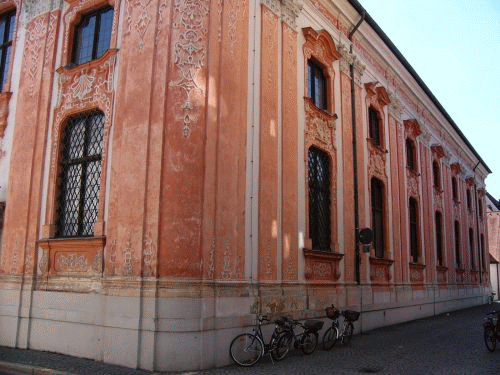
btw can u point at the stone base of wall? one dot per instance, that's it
(178, 331)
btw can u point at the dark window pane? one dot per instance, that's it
(457, 244)
(316, 85)
(377, 196)
(410, 154)
(105, 26)
(374, 126)
(413, 230)
(319, 199)
(471, 248)
(12, 24)
(436, 175)
(80, 175)
(439, 237)
(92, 35)
(7, 23)
(3, 26)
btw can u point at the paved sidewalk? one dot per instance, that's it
(35, 362)
(444, 344)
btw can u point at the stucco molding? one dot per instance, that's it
(32, 9)
(287, 10)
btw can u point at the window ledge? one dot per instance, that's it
(89, 64)
(322, 265)
(70, 256)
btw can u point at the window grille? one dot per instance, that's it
(377, 195)
(374, 126)
(80, 175)
(413, 230)
(92, 36)
(319, 199)
(7, 24)
(316, 85)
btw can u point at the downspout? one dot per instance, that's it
(355, 157)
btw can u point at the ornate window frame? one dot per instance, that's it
(81, 88)
(320, 133)
(73, 16)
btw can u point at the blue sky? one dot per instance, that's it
(454, 46)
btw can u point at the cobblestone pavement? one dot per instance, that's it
(446, 344)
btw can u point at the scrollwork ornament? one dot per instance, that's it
(190, 54)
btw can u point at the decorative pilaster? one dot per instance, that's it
(287, 10)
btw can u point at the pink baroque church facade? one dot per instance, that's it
(168, 169)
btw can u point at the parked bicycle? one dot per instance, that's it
(306, 338)
(247, 349)
(340, 329)
(491, 326)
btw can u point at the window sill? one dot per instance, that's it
(322, 265)
(72, 256)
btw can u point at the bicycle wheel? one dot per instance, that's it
(246, 349)
(348, 330)
(490, 338)
(309, 342)
(283, 346)
(330, 338)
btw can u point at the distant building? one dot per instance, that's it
(493, 214)
(170, 168)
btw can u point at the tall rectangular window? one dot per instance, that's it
(7, 24)
(92, 35)
(458, 257)
(436, 175)
(378, 223)
(471, 249)
(2, 212)
(319, 199)
(80, 175)
(316, 85)
(374, 126)
(413, 230)
(439, 237)
(454, 188)
(411, 155)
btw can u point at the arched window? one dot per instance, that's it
(414, 243)
(378, 222)
(92, 35)
(374, 126)
(316, 85)
(411, 159)
(319, 199)
(79, 176)
(439, 237)
(436, 174)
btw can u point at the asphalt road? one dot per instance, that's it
(447, 344)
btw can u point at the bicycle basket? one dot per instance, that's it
(351, 315)
(332, 312)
